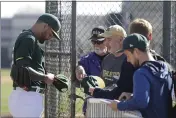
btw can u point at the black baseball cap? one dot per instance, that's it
(96, 32)
(53, 22)
(134, 40)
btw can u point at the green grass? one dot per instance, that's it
(79, 102)
(5, 92)
(6, 88)
(5, 72)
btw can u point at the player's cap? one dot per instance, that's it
(114, 30)
(53, 22)
(95, 34)
(134, 40)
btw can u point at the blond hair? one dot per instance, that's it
(140, 26)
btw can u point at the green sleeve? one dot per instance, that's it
(24, 49)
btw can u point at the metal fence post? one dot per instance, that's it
(52, 8)
(0, 35)
(166, 29)
(45, 103)
(60, 33)
(73, 58)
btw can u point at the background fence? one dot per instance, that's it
(78, 19)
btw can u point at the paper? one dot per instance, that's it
(106, 101)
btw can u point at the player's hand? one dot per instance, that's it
(49, 78)
(80, 72)
(125, 96)
(91, 90)
(113, 105)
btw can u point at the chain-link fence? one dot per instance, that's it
(173, 35)
(78, 19)
(58, 60)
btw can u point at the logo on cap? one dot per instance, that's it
(96, 32)
(131, 45)
(108, 29)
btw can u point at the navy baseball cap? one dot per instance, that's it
(134, 40)
(53, 22)
(95, 34)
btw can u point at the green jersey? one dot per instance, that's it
(27, 52)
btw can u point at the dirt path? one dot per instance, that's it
(7, 115)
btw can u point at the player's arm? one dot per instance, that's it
(23, 59)
(125, 83)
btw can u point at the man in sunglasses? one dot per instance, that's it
(91, 62)
(89, 65)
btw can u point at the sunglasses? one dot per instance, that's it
(97, 42)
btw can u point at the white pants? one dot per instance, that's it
(23, 104)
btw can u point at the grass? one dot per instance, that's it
(5, 92)
(6, 88)
(5, 72)
(79, 102)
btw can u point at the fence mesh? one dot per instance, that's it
(57, 60)
(173, 35)
(90, 15)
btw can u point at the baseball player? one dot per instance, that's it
(27, 72)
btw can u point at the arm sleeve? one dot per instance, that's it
(23, 58)
(125, 83)
(24, 51)
(36, 76)
(84, 62)
(141, 94)
(108, 94)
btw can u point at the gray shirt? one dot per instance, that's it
(111, 68)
